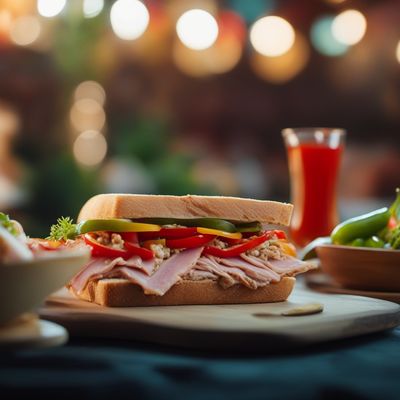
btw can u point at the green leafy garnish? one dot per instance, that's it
(64, 229)
(8, 224)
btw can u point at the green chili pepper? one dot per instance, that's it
(359, 242)
(213, 223)
(309, 251)
(248, 226)
(363, 226)
(374, 241)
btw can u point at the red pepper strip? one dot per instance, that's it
(189, 242)
(99, 250)
(131, 237)
(168, 233)
(392, 223)
(135, 249)
(279, 234)
(238, 249)
(232, 242)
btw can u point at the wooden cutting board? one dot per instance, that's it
(227, 326)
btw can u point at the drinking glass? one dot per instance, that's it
(314, 156)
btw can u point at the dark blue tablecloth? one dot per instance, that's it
(360, 368)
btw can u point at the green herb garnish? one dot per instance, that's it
(8, 224)
(64, 229)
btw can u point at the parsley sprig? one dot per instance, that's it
(64, 229)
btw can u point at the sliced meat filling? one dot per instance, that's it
(99, 267)
(249, 270)
(167, 275)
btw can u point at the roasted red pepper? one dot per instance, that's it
(246, 245)
(189, 242)
(131, 249)
(99, 250)
(135, 249)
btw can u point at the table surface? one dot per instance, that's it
(360, 368)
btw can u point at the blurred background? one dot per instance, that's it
(190, 96)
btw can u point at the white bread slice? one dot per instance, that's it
(123, 293)
(137, 206)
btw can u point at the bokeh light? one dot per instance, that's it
(281, 69)
(272, 36)
(230, 25)
(197, 29)
(5, 23)
(92, 8)
(87, 114)
(349, 27)
(220, 58)
(129, 19)
(323, 40)
(50, 8)
(398, 52)
(90, 90)
(90, 148)
(25, 30)
(250, 10)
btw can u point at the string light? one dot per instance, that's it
(90, 90)
(197, 29)
(90, 148)
(349, 27)
(272, 36)
(92, 8)
(129, 19)
(283, 68)
(87, 114)
(25, 30)
(50, 8)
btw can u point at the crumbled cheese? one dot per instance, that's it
(117, 241)
(219, 243)
(265, 251)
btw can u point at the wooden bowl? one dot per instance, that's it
(25, 285)
(361, 268)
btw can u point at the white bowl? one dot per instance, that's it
(24, 286)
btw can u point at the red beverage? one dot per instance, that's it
(314, 163)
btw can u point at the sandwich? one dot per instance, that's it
(176, 250)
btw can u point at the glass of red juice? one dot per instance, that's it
(314, 156)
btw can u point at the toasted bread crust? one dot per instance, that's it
(136, 206)
(122, 293)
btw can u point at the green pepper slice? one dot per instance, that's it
(362, 226)
(213, 223)
(248, 226)
(114, 225)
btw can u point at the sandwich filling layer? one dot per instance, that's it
(255, 267)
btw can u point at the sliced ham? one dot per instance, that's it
(254, 271)
(99, 267)
(208, 264)
(288, 266)
(198, 275)
(168, 273)
(231, 275)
